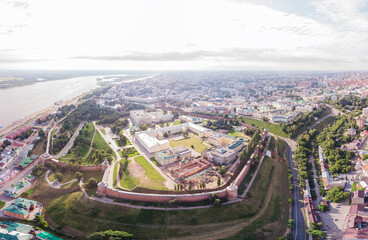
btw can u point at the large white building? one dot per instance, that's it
(153, 140)
(141, 117)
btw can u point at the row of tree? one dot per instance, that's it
(294, 128)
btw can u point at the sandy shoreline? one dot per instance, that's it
(31, 118)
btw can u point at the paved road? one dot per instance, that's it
(298, 232)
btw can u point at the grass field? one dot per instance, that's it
(177, 122)
(325, 123)
(265, 170)
(40, 147)
(273, 128)
(263, 209)
(271, 145)
(115, 174)
(236, 134)
(100, 143)
(150, 171)
(127, 181)
(192, 140)
(280, 144)
(67, 175)
(2, 204)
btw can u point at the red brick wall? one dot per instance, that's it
(163, 197)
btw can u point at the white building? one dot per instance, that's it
(153, 140)
(141, 117)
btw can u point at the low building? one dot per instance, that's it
(225, 155)
(141, 117)
(20, 208)
(46, 236)
(173, 155)
(357, 197)
(220, 139)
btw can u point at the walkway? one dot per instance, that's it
(69, 145)
(56, 184)
(256, 172)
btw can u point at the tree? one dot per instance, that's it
(318, 234)
(222, 170)
(92, 183)
(41, 222)
(166, 135)
(78, 175)
(218, 181)
(323, 207)
(110, 235)
(217, 203)
(291, 223)
(41, 133)
(337, 194)
(143, 127)
(59, 177)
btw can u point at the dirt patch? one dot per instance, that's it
(137, 171)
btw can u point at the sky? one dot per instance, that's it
(310, 35)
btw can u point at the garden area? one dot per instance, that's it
(192, 141)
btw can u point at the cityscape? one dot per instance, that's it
(183, 120)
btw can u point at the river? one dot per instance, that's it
(18, 102)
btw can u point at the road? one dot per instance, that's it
(298, 232)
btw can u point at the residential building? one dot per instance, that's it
(20, 208)
(360, 122)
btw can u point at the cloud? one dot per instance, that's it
(18, 4)
(225, 55)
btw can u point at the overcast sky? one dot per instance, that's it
(186, 34)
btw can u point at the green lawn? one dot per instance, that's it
(280, 144)
(68, 175)
(235, 133)
(100, 143)
(177, 122)
(2, 204)
(115, 174)
(325, 123)
(273, 128)
(131, 152)
(150, 171)
(127, 181)
(155, 162)
(271, 145)
(192, 140)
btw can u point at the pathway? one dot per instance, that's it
(56, 184)
(256, 172)
(69, 145)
